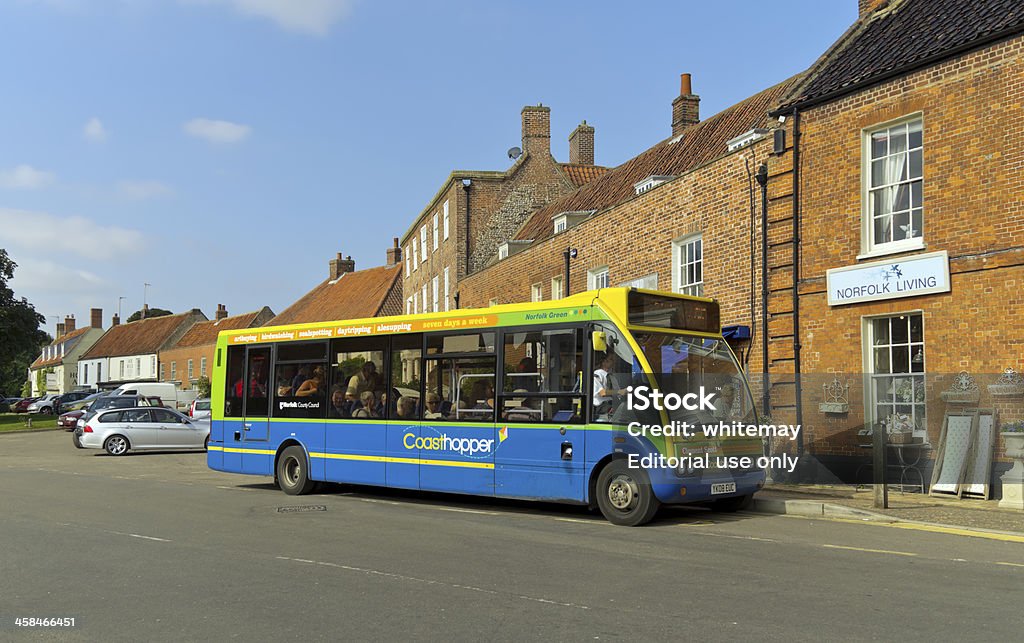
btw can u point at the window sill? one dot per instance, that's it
(893, 250)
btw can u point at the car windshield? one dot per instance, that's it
(684, 363)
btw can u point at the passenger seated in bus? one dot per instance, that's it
(300, 376)
(480, 402)
(528, 409)
(527, 378)
(367, 379)
(314, 385)
(407, 408)
(433, 409)
(339, 408)
(368, 406)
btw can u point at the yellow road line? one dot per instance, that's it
(871, 551)
(937, 529)
(1011, 564)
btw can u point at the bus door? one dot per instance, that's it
(256, 410)
(457, 431)
(541, 436)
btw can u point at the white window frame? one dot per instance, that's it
(446, 290)
(537, 292)
(202, 367)
(503, 251)
(557, 289)
(493, 302)
(435, 285)
(415, 303)
(426, 308)
(415, 256)
(868, 246)
(598, 278)
(423, 242)
(561, 223)
(681, 262)
(408, 257)
(445, 209)
(868, 347)
(191, 370)
(436, 239)
(174, 371)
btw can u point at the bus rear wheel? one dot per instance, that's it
(624, 495)
(292, 472)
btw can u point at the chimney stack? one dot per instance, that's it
(581, 145)
(69, 324)
(60, 330)
(537, 129)
(394, 253)
(116, 321)
(222, 312)
(340, 266)
(97, 318)
(867, 6)
(145, 309)
(685, 108)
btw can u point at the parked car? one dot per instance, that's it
(59, 405)
(83, 403)
(118, 431)
(44, 404)
(7, 404)
(22, 406)
(107, 402)
(199, 409)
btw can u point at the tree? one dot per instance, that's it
(203, 386)
(20, 336)
(150, 313)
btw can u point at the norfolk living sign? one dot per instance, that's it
(902, 277)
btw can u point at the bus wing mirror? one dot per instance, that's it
(600, 341)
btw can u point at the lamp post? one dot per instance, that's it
(119, 300)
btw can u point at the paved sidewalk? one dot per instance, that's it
(851, 501)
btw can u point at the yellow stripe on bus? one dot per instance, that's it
(396, 460)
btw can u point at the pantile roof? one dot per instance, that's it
(904, 35)
(582, 174)
(698, 145)
(68, 339)
(354, 295)
(141, 337)
(205, 333)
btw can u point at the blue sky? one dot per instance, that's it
(224, 150)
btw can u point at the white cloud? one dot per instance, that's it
(303, 16)
(48, 235)
(25, 177)
(94, 131)
(216, 131)
(141, 190)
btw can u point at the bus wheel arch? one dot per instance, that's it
(595, 473)
(625, 495)
(291, 469)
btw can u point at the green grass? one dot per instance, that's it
(19, 421)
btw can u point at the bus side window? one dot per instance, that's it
(542, 377)
(402, 399)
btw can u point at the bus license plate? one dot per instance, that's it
(723, 487)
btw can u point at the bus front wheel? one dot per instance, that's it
(624, 495)
(292, 472)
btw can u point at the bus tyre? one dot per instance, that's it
(292, 473)
(729, 505)
(625, 496)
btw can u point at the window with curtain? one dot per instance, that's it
(895, 186)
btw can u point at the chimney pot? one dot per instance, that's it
(222, 312)
(685, 88)
(115, 320)
(96, 320)
(340, 266)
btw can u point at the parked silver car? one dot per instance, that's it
(118, 431)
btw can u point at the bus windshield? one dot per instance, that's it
(683, 364)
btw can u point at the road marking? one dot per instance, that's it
(938, 529)
(582, 521)
(1011, 564)
(413, 579)
(733, 536)
(116, 533)
(469, 511)
(871, 551)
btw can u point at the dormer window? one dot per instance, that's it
(651, 182)
(510, 248)
(747, 138)
(570, 219)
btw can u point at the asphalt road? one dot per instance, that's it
(158, 547)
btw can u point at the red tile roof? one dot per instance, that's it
(205, 333)
(354, 295)
(583, 174)
(68, 339)
(140, 337)
(698, 145)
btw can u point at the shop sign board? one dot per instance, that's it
(911, 276)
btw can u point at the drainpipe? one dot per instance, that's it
(466, 184)
(762, 180)
(796, 279)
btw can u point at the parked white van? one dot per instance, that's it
(168, 393)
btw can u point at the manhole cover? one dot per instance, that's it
(295, 509)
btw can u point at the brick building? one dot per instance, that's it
(899, 153)
(56, 368)
(348, 293)
(476, 211)
(192, 356)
